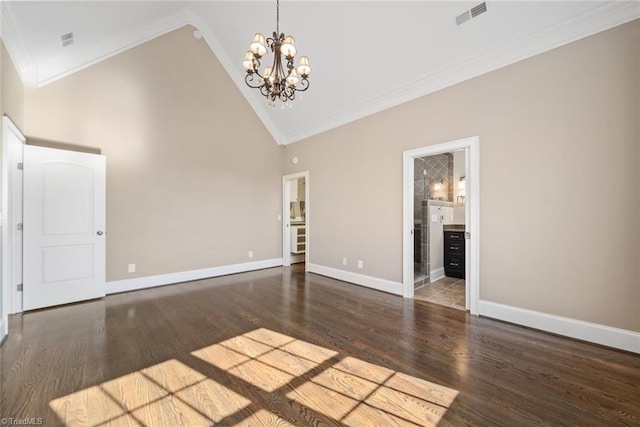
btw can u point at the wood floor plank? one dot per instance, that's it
(281, 347)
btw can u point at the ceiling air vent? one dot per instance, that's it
(478, 10)
(67, 39)
(471, 13)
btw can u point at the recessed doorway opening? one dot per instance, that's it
(445, 215)
(439, 226)
(295, 219)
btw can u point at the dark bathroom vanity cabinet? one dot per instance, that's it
(454, 261)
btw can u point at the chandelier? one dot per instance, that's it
(280, 81)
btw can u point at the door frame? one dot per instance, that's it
(286, 221)
(11, 195)
(471, 145)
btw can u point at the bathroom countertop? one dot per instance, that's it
(444, 203)
(454, 227)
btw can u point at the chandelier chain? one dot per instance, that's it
(278, 17)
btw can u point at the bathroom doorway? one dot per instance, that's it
(439, 226)
(441, 221)
(295, 219)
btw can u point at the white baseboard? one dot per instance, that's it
(436, 274)
(186, 276)
(358, 279)
(599, 334)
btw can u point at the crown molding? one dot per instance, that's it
(600, 18)
(32, 76)
(116, 46)
(229, 65)
(15, 47)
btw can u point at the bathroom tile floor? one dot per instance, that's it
(448, 291)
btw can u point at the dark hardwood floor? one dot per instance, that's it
(281, 347)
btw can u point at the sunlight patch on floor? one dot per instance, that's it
(318, 381)
(169, 393)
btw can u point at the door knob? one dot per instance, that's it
(100, 233)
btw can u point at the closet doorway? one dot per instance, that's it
(295, 219)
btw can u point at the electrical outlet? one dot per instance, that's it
(344, 261)
(360, 264)
(279, 217)
(250, 254)
(132, 268)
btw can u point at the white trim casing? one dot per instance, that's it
(127, 285)
(11, 297)
(286, 222)
(356, 278)
(473, 199)
(408, 174)
(472, 144)
(592, 332)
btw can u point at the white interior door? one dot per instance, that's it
(64, 222)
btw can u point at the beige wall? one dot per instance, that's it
(12, 91)
(193, 177)
(559, 196)
(11, 102)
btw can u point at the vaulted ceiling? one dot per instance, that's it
(366, 55)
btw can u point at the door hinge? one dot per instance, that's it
(19, 226)
(467, 235)
(19, 287)
(20, 166)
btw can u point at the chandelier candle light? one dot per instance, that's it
(276, 82)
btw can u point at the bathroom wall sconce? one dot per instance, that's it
(461, 183)
(437, 186)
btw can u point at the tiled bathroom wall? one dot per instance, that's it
(427, 172)
(439, 168)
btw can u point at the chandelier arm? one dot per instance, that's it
(271, 41)
(256, 70)
(249, 78)
(291, 93)
(285, 96)
(264, 91)
(304, 83)
(256, 65)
